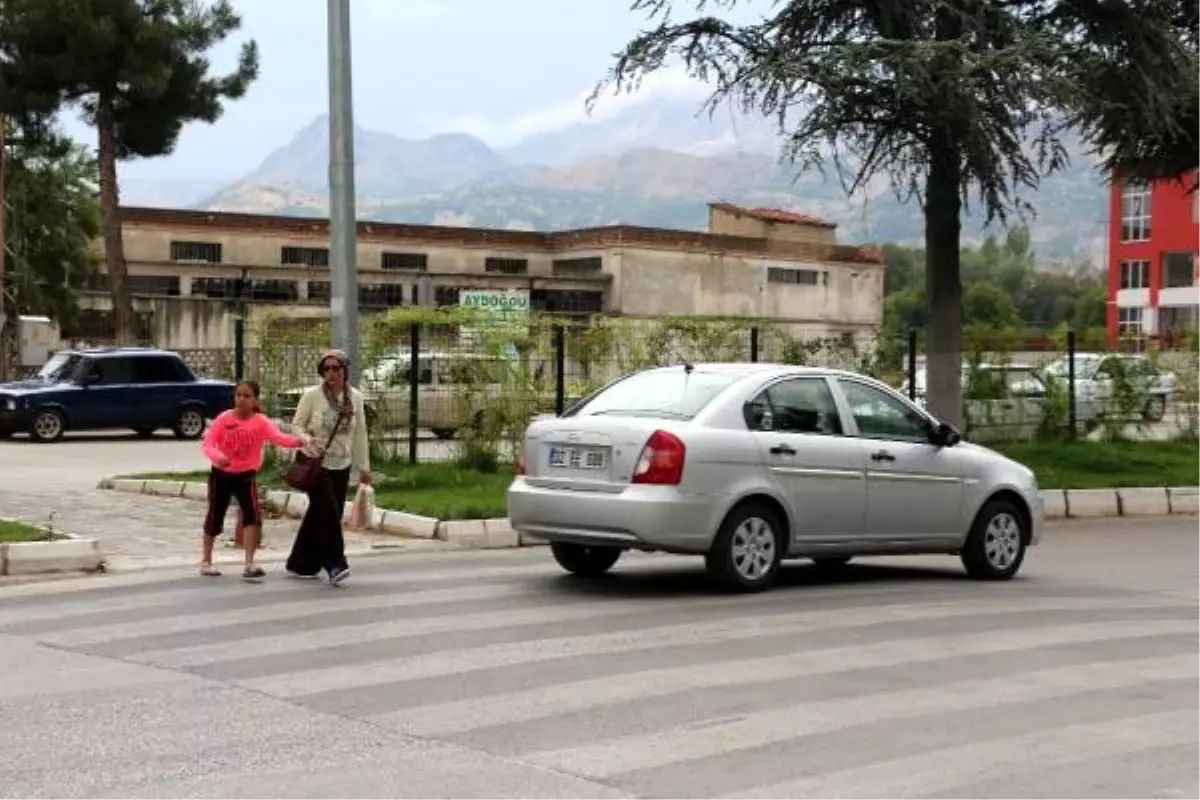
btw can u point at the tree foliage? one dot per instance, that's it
(51, 223)
(137, 69)
(953, 101)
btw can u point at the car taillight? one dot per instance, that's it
(661, 460)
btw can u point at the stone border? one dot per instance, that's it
(67, 553)
(487, 534)
(476, 534)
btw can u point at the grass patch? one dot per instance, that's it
(1107, 465)
(12, 531)
(444, 491)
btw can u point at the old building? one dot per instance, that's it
(191, 270)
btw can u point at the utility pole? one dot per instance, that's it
(343, 223)
(4, 347)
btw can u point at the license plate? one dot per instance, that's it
(577, 458)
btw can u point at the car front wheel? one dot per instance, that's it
(189, 425)
(995, 547)
(582, 559)
(748, 549)
(47, 426)
(1155, 410)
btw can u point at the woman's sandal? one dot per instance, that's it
(209, 571)
(253, 574)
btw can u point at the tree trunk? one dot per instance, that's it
(943, 286)
(114, 245)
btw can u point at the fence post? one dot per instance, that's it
(912, 364)
(414, 384)
(560, 369)
(1072, 412)
(754, 344)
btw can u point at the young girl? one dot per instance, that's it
(234, 444)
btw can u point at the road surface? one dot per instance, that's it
(491, 674)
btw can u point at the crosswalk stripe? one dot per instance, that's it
(344, 634)
(1057, 748)
(334, 678)
(460, 716)
(610, 758)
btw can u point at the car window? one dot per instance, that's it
(878, 415)
(156, 369)
(1021, 383)
(798, 405)
(673, 393)
(114, 370)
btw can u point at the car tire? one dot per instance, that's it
(995, 547)
(443, 433)
(748, 549)
(583, 559)
(48, 425)
(1155, 410)
(189, 425)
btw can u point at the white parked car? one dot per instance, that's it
(1096, 384)
(749, 464)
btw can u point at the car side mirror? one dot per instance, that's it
(944, 434)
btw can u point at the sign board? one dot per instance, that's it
(38, 337)
(504, 305)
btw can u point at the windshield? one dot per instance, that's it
(60, 367)
(669, 394)
(1084, 368)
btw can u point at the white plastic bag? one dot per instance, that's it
(362, 511)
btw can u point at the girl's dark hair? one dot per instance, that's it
(255, 390)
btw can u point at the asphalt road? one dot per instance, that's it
(494, 675)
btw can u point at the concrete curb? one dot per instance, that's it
(66, 553)
(488, 534)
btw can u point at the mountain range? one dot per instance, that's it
(654, 164)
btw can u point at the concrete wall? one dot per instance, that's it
(655, 283)
(731, 223)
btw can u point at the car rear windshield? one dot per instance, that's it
(669, 394)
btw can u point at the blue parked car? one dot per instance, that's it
(138, 388)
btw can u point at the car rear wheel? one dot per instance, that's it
(1155, 410)
(47, 426)
(189, 425)
(583, 559)
(748, 549)
(996, 544)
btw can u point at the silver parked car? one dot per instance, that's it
(748, 464)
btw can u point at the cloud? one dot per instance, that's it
(668, 84)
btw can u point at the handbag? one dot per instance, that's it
(305, 469)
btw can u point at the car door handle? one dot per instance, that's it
(783, 450)
(882, 455)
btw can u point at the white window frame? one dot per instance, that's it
(1135, 267)
(1130, 320)
(1135, 213)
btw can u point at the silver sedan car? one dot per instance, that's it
(749, 464)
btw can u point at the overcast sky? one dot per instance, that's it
(500, 70)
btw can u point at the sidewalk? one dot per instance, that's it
(138, 532)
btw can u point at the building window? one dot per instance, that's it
(380, 295)
(445, 295)
(196, 252)
(1179, 270)
(576, 267)
(235, 288)
(414, 262)
(155, 285)
(558, 301)
(506, 266)
(1135, 274)
(1178, 319)
(1129, 321)
(1135, 213)
(304, 256)
(318, 291)
(800, 277)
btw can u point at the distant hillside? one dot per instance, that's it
(656, 165)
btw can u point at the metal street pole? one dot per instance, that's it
(343, 225)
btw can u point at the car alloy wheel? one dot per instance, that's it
(47, 426)
(747, 550)
(753, 548)
(995, 547)
(190, 424)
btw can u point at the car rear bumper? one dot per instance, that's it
(640, 517)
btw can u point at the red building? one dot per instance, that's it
(1153, 241)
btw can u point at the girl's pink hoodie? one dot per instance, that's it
(241, 441)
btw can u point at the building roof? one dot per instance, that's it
(775, 215)
(221, 222)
